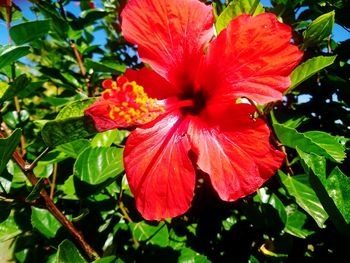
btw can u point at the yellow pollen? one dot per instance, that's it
(132, 106)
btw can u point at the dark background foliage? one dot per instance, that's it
(51, 71)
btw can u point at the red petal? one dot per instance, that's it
(99, 112)
(170, 34)
(252, 57)
(235, 152)
(154, 85)
(159, 171)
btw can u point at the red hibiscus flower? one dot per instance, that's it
(186, 107)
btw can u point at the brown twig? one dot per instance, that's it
(79, 59)
(6, 129)
(20, 199)
(126, 215)
(82, 68)
(8, 17)
(53, 183)
(50, 205)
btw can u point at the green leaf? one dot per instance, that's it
(75, 109)
(10, 54)
(58, 25)
(9, 229)
(315, 162)
(67, 252)
(45, 222)
(88, 17)
(63, 131)
(236, 8)
(105, 66)
(317, 142)
(74, 148)
(189, 255)
(68, 189)
(308, 69)
(7, 147)
(29, 31)
(156, 235)
(96, 165)
(109, 259)
(107, 138)
(300, 188)
(319, 29)
(274, 201)
(333, 191)
(338, 188)
(295, 223)
(43, 170)
(15, 87)
(13, 118)
(35, 193)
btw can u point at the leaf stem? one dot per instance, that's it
(53, 184)
(33, 164)
(53, 209)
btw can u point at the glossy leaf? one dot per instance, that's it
(189, 255)
(75, 109)
(300, 188)
(66, 130)
(156, 235)
(7, 147)
(10, 54)
(315, 162)
(67, 252)
(29, 31)
(20, 83)
(338, 188)
(105, 66)
(35, 193)
(96, 165)
(74, 148)
(317, 142)
(107, 138)
(236, 8)
(9, 229)
(296, 221)
(308, 69)
(59, 26)
(274, 201)
(319, 29)
(45, 222)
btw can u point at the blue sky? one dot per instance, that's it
(339, 33)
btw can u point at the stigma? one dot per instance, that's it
(130, 103)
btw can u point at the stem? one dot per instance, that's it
(50, 205)
(8, 17)
(33, 164)
(19, 199)
(78, 57)
(53, 184)
(126, 216)
(329, 48)
(6, 129)
(82, 68)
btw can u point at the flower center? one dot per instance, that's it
(131, 105)
(198, 99)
